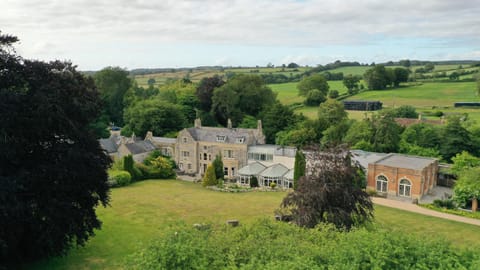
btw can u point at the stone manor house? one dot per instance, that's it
(245, 155)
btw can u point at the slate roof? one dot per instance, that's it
(392, 160)
(109, 145)
(404, 161)
(289, 175)
(140, 147)
(364, 157)
(209, 134)
(276, 170)
(252, 169)
(164, 140)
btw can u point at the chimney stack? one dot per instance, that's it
(229, 123)
(198, 123)
(259, 126)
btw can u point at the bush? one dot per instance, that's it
(266, 244)
(253, 182)
(119, 178)
(273, 185)
(209, 179)
(314, 98)
(449, 204)
(333, 94)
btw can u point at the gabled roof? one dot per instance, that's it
(364, 157)
(276, 170)
(289, 175)
(252, 169)
(226, 135)
(140, 147)
(109, 145)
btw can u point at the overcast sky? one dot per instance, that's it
(174, 33)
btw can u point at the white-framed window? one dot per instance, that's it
(240, 140)
(260, 156)
(228, 153)
(233, 171)
(382, 183)
(221, 138)
(189, 166)
(405, 188)
(225, 171)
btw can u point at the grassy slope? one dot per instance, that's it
(142, 210)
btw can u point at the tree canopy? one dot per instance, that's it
(53, 172)
(315, 81)
(113, 83)
(330, 192)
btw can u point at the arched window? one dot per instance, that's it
(382, 183)
(405, 188)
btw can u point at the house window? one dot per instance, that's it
(225, 171)
(209, 157)
(405, 188)
(233, 171)
(260, 156)
(185, 154)
(221, 138)
(205, 147)
(189, 166)
(184, 139)
(180, 165)
(204, 156)
(382, 183)
(240, 140)
(228, 153)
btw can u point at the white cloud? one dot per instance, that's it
(77, 24)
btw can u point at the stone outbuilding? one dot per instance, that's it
(398, 175)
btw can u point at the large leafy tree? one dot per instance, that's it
(330, 192)
(377, 78)
(351, 83)
(467, 187)
(386, 136)
(53, 171)
(205, 89)
(276, 118)
(113, 83)
(154, 115)
(455, 139)
(241, 95)
(316, 81)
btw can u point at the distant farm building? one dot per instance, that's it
(466, 104)
(362, 105)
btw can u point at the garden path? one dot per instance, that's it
(417, 209)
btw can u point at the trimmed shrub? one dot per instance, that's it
(333, 94)
(253, 182)
(119, 178)
(449, 204)
(209, 178)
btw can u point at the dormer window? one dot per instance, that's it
(184, 139)
(221, 138)
(240, 140)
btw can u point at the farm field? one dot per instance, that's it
(142, 210)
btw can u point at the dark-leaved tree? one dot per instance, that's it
(53, 171)
(330, 192)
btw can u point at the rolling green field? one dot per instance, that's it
(143, 210)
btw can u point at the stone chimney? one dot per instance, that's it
(259, 126)
(229, 123)
(134, 138)
(198, 123)
(149, 136)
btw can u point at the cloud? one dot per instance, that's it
(311, 23)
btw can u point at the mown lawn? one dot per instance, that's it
(424, 95)
(140, 211)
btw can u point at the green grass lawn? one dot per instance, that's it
(142, 210)
(423, 95)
